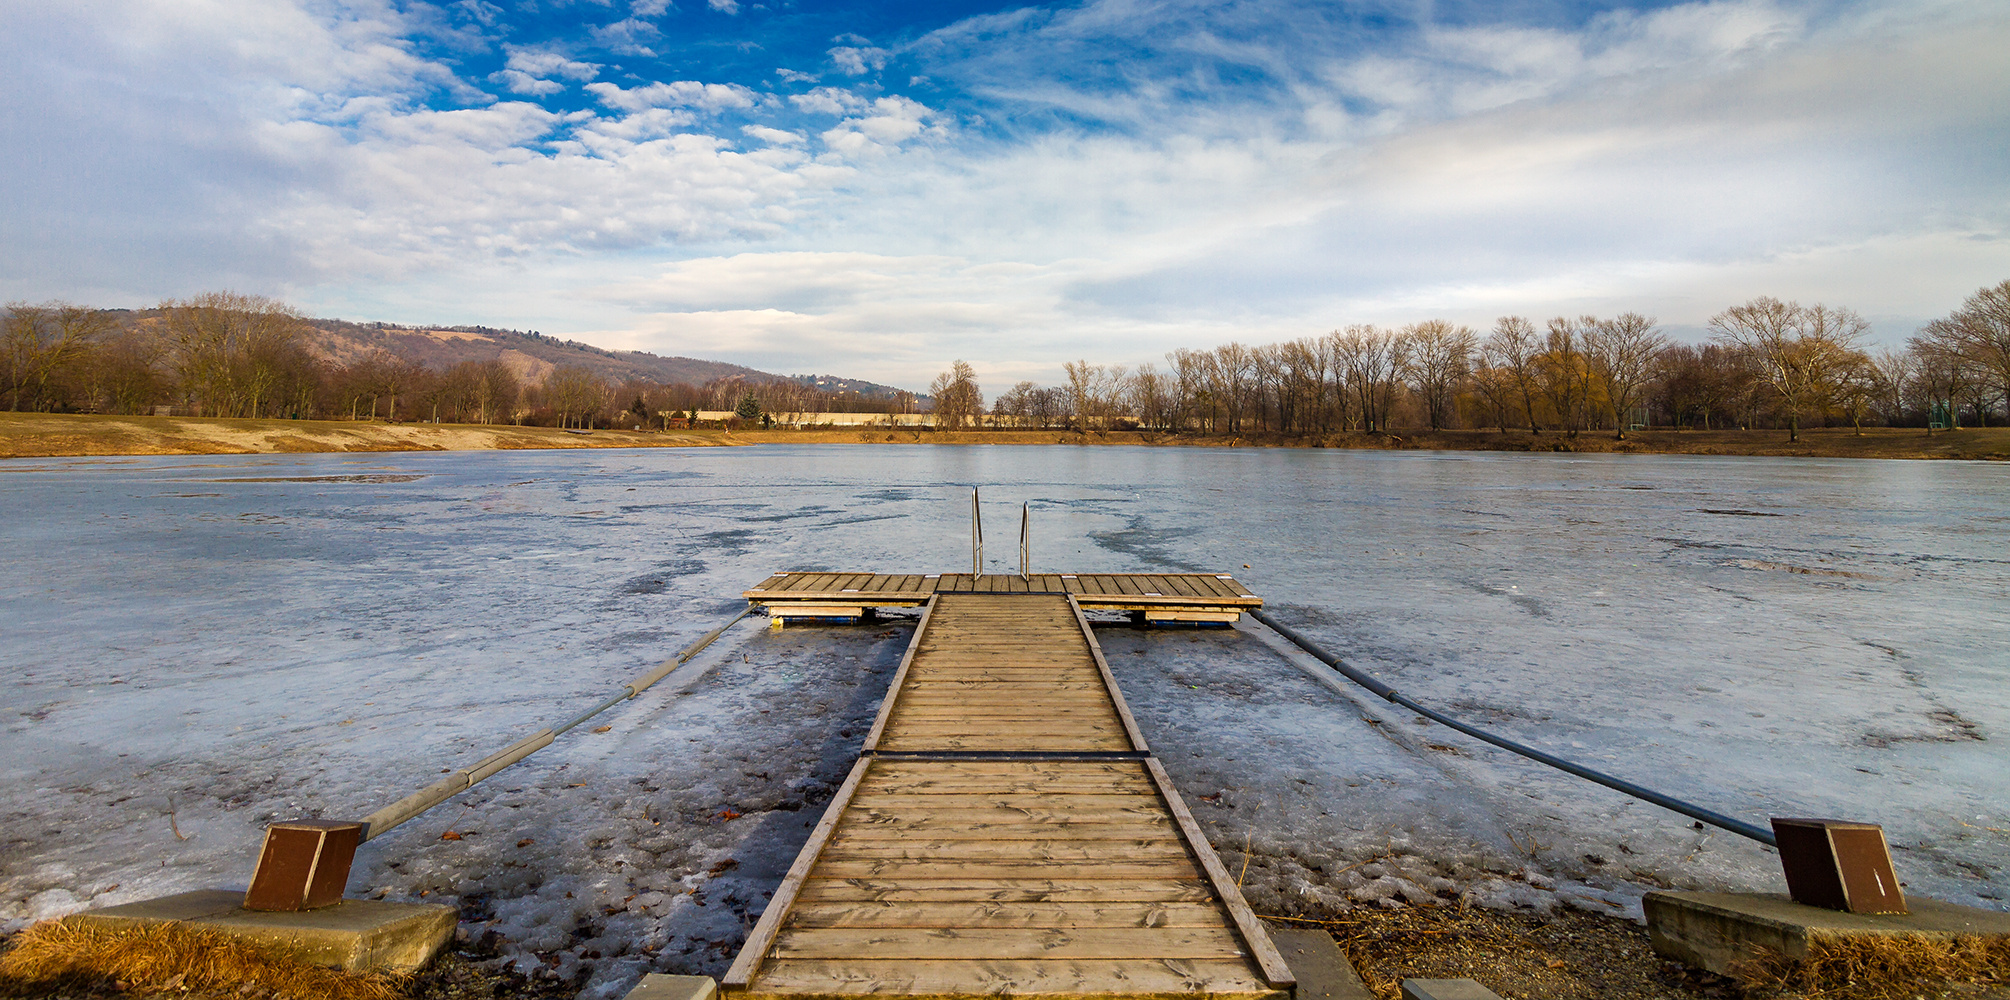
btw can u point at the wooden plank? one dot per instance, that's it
(1116, 694)
(1178, 979)
(1060, 770)
(899, 676)
(936, 809)
(914, 729)
(1260, 947)
(1016, 709)
(1192, 615)
(748, 961)
(981, 943)
(999, 737)
(1058, 781)
(879, 913)
(1005, 783)
(999, 868)
(1052, 890)
(999, 698)
(1138, 829)
(1014, 850)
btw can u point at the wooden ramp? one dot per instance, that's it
(1006, 833)
(1188, 597)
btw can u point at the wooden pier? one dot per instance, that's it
(1006, 831)
(1153, 597)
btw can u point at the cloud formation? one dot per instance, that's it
(1118, 174)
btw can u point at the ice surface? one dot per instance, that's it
(198, 645)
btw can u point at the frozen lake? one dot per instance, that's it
(197, 645)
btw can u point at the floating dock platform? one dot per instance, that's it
(1006, 831)
(1151, 597)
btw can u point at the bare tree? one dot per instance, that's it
(1565, 372)
(1895, 373)
(125, 372)
(575, 394)
(957, 398)
(1623, 351)
(37, 342)
(1150, 397)
(1979, 334)
(1234, 366)
(1373, 360)
(1513, 348)
(1016, 402)
(1801, 351)
(1496, 387)
(228, 349)
(1440, 356)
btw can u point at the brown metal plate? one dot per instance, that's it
(304, 866)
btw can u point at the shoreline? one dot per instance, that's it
(43, 435)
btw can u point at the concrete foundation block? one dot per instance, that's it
(656, 986)
(354, 935)
(1446, 989)
(1716, 930)
(1321, 968)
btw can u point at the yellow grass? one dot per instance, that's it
(44, 435)
(47, 435)
(1881, 967)
(169, 957)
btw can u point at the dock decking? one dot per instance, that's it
(1007, 833)
(1193, 597)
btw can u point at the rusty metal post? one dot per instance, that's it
(1838, 865)
(304, 866)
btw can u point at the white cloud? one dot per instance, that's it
(791, 76)
(648, 8)
(529, 71)
(711, 97)
(1673, 161)
(828, 101)
(630, 37)
(520, 82)
(773, 136)
(893, 120)
(543, 62)
(858, 61)
(724, 6)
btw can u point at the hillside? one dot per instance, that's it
(531, 355)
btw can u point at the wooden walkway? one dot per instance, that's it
(1195, 597)
(1007, 833)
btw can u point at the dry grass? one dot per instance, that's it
(45, 435)
(50, 435)
(1568, 955)
(1894, 967)
(168, 957)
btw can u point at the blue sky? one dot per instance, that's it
(875, 189)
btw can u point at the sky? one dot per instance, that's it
(874, 189)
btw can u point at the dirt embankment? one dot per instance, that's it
(42, 435)
(45, 435)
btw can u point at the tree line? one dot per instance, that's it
(224, 354)
(1768, 364)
